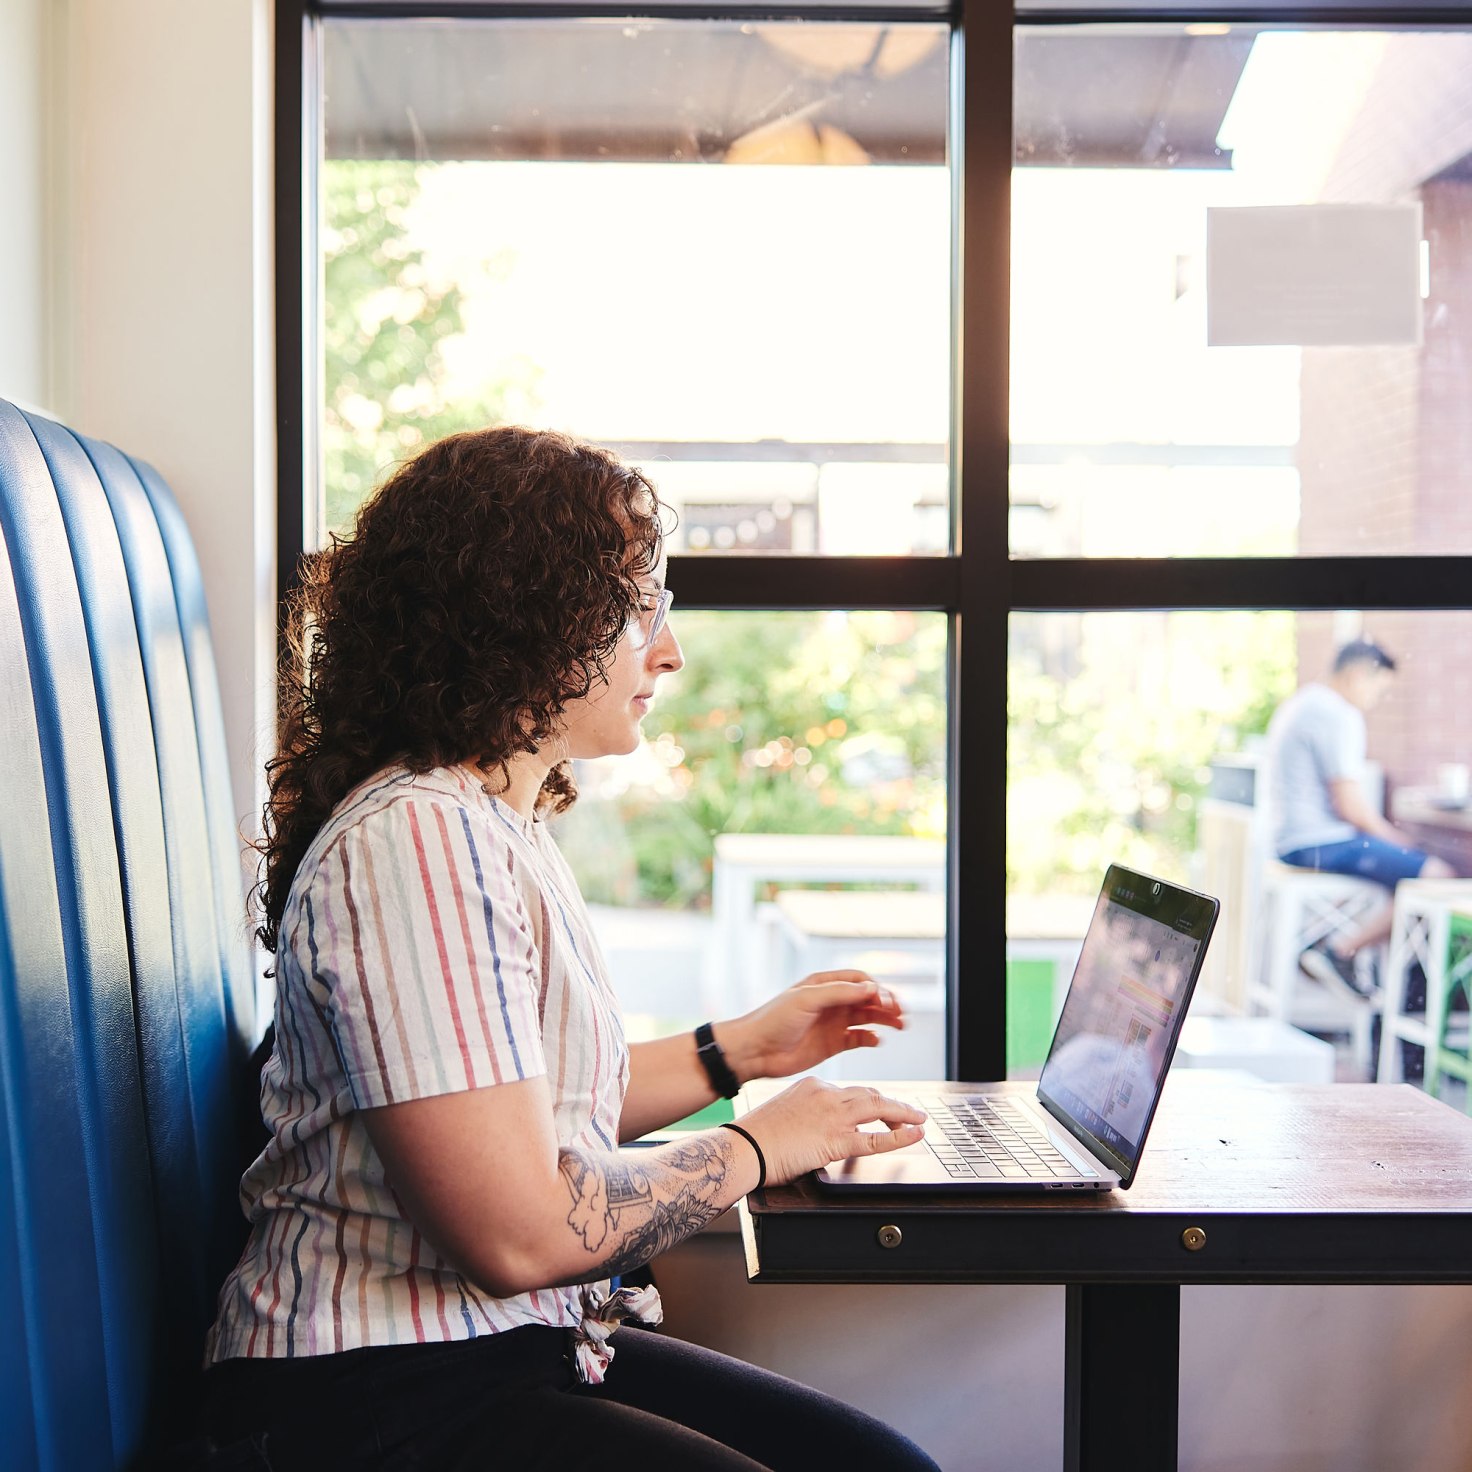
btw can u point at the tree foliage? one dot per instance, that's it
(779, 723)
(1108, 759)
(386, 321)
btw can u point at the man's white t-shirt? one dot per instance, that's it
(1316, 737)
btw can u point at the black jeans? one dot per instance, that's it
(512, 1401)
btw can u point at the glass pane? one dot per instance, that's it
(721, 248)
(1241, 260)
(785, 814)
(1145, 739)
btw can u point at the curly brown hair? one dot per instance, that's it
(484, 585)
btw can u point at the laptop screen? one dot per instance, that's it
(1118, 1028)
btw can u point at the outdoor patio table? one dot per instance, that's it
(745, 861)
(1241, 1182)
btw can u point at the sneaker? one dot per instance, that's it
(1336, 972)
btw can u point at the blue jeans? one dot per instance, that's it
(1363, 856)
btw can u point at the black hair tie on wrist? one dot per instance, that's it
(713, 1060)
(761, 1160)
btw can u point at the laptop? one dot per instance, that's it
(1086, 1126)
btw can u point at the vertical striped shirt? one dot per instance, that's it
(433, 941)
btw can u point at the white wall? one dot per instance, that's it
(159, 135)
(23, 285)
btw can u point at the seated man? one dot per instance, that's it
(1316, 757)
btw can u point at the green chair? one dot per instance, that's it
(1443, 1056)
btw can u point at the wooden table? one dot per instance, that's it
(1431, 824)
(1287, 1183)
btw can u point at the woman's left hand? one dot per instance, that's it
(826, 1013)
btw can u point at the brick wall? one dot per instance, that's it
(1385, 455)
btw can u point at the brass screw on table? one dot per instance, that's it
(890, 1236)
(1193, 1239)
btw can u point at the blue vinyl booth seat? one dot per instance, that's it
(126, 996)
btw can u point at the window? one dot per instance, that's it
(722, 249)
(1214, 359)
(786, 814)
(1218, 350)
(742, 285)
(1141, 737)
(997, 372)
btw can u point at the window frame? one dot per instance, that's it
(978, 585)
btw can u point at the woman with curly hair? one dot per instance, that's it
(442, 1201)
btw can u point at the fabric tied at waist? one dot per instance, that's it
(590, 1338)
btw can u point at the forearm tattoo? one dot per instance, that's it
(627, 1212)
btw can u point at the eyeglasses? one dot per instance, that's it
(654, 609)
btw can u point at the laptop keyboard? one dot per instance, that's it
(987, 1137)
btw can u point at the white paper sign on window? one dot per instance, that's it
(1318, 275)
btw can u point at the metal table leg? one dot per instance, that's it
(1121, 1377)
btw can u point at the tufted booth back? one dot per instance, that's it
(126, 1009)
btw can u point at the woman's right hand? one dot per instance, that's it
(813, 1123)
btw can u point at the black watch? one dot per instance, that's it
(713, 1060)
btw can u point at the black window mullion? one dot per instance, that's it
(294, 197)
(713, 580)
(1360, 13)
(1098, 584)
(981, 142)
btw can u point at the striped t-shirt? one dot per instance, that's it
(433, 941)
